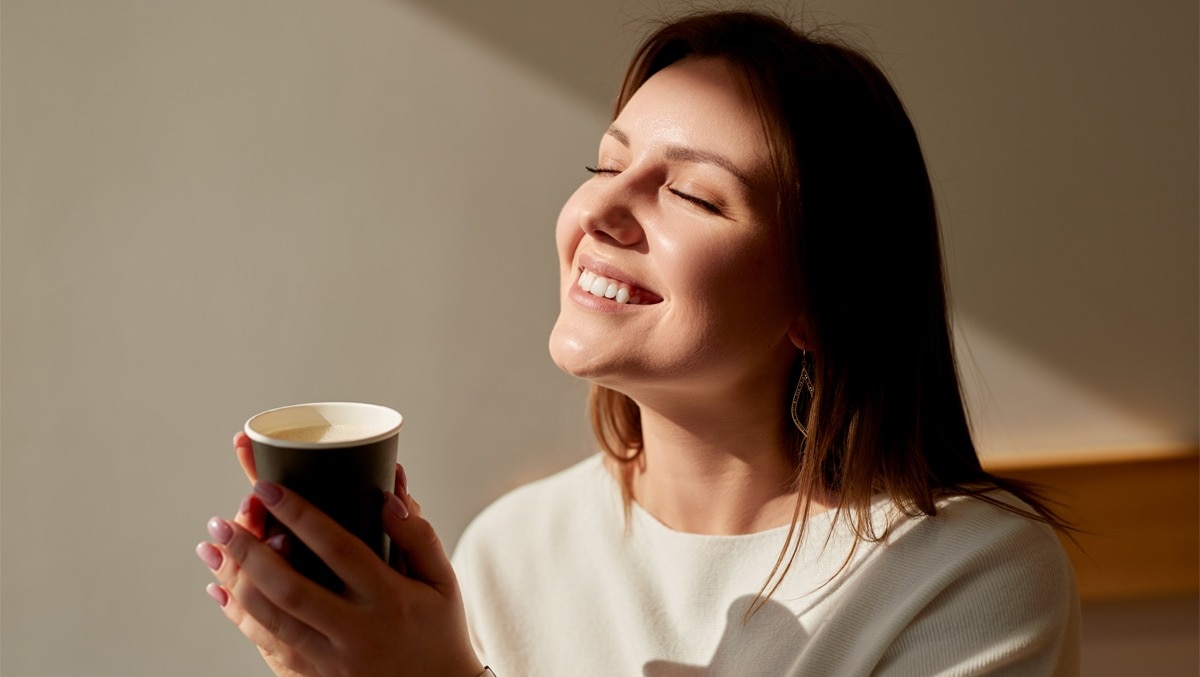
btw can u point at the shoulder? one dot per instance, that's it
(977, 585)
(996, 528)
(973, 589)
(974, 539)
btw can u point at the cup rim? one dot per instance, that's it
(394, 425)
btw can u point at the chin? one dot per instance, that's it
(569, 353)
(577, 356)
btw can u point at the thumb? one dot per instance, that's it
(418, 544)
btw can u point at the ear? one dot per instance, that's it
(798, 332)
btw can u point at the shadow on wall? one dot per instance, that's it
(1067, 235)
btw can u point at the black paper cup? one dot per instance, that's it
(341, 456)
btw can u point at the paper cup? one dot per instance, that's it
(341, 457)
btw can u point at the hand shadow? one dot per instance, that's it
(748, 648)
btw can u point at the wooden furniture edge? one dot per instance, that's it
(1138, 516)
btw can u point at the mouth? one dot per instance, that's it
(615, 290)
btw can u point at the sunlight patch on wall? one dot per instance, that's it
(1025, 411)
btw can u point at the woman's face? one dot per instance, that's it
(673, 239)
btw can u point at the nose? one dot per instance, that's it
(607, 214)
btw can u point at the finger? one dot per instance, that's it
(396, 555)
(419, 543)
(245, 623)
(245, 455)
(273, 628)
(401, 481)
(275, 651)
(352, 560)
(252, 516)
(290, 607)
(223, 568)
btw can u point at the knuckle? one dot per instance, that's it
(343, 546)
(259, 628)
(272, 622)
(261, 617)
(290, 595)
(293, 662)
(425, 534)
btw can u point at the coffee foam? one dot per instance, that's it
(330, 432)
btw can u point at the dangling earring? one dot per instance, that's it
(805, 384)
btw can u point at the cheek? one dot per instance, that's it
(743, 285)
(716, 266)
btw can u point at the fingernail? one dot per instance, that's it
(403, 476)
(280, 544)
(268, 492)
(217, 593)
(244, 508)
(220, 530)
(397, 506)
(210, 555)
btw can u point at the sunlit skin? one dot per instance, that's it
(682, 205)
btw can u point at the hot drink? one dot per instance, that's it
(345, 432)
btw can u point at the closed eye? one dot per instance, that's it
(699, 202)
(703, 204)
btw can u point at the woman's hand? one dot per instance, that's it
(383, 622)
(252, 517)
(244, 450)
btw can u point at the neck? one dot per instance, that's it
(720, 469)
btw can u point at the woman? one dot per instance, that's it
(752, 282)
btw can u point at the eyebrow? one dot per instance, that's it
(688, 154)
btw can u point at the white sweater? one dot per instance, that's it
(556, 586)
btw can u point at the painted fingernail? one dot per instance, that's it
(209, 554)
(280, 544)
(268, 492)
(244, 508)
(220, 530)
(397, 506)
(217, 593)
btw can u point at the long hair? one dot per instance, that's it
(855, 210)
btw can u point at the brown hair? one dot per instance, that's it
(855, 209)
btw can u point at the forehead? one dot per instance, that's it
(703, 103)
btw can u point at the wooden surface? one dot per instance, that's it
(1140, 518)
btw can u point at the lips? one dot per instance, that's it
(602, 282)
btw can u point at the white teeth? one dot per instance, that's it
(599, 285)
(606, 288)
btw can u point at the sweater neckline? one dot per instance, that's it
(641, 517)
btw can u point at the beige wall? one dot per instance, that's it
(213, 208)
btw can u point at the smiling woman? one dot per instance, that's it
(751, 280)
(679, 208)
